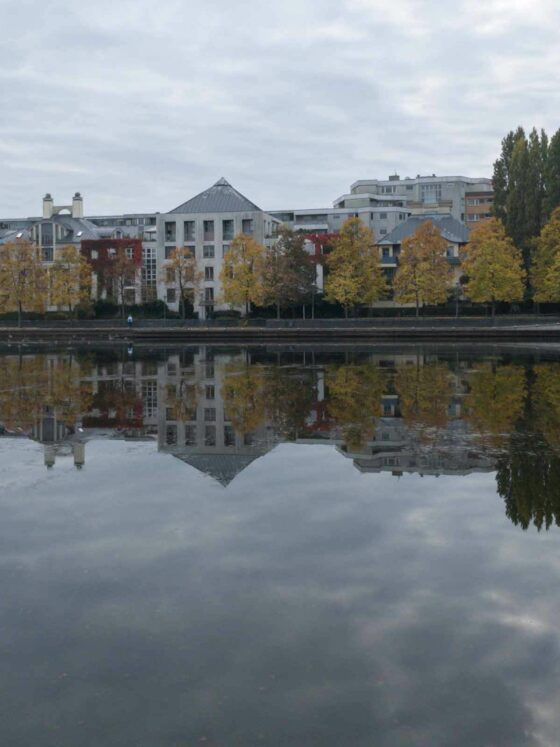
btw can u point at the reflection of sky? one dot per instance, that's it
(306, 604)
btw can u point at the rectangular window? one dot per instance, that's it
(210, 435)
(210, 391)
(227, 230)
(189, 228)
(386, 251)
(247, 226)
(382, 231)
(229, 435)
(208, 252)
(169, 251)
(209, 273)
(190, 435)
(208, 230)
(209, 414)
(171, 295)
(171, 435)
(225, 249)
(47, 254)
(46, 234)
(209, 294)
(382, 216)
(170, 231)
(209, 370)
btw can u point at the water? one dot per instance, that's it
(232, 547)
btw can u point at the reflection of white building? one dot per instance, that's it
(193, 423)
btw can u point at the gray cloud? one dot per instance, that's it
(140, 105)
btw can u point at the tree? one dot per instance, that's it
(424, 274)
(552, 175)
(243, 392)
(241, 273)
(493, 266)
(355, 275)
(519, 186)
(288, 273)
(545, 274)
(122, 273)
(182, 270)
(23, 280)
(70, 278)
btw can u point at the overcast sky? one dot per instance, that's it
(140, 105)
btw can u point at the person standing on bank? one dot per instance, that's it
(129, 320)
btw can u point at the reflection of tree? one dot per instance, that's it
(528, 479)
(546, 402)
(289, 397)
(117, 397)
(243, 392)
(354, 400)
(30, 384)
(496, 399)
(182, 400)
(424, 394)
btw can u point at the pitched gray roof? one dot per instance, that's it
(451, 229)
(222, 467)
(220, 198)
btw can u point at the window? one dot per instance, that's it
(209, 370)
(208, 251)
(382, 231)
(210, 435)
(225, 249)
(209, 414)
(450, 251)
(189, 228)
(431, 193)
(170, 231)
(247, 226)
(382, 216)
(169, 252)
(227, 230)
(409, 187)
(169, 275)
(210, 391)
(47, 254)
(402, 216)
(209, 294)
(386, 251)
(208, 230)
(229, 436)
(190, 435)
(209, 273)
(171, 295)
(129, 252)
(46, 234)
(171, 435)
(171, 369)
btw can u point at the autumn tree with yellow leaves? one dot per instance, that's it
(545, 272)
(424, 392)
(424, 274)
(355, 276)
(493, 265)
(122, 273)
(23, 279)
(244, 395)
(241, 273)
(70, 279)
(182, 271)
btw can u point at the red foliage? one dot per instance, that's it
(103, 248)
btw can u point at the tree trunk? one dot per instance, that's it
(278, 310)
(19, 313)
(493, 311)
(417, 307)
(346, 312)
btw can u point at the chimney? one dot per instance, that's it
(50, 455)
(48, 206)
(77, 206)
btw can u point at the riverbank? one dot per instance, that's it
(360, 330)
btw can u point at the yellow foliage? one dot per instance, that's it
(493, 265)
(241, 273)
(424, 274)
(23, 280)
(545, 273)
(355, 275)
(70, 279)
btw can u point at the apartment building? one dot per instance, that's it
(435, 194)
(206, 224)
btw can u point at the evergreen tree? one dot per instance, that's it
(552, 175)
(501, 173)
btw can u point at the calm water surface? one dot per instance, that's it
(229, 547)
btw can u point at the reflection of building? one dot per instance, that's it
(193, 422)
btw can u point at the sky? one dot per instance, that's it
(141, 105)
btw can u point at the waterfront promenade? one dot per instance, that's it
(506, 328)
